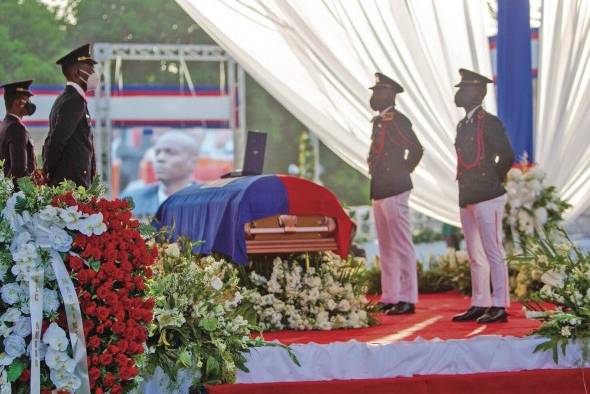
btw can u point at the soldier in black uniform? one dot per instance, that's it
(484, 157)
(394, 154)
(68, 151)
(16, 144)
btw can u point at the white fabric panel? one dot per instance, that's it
(176, 108)
(403, 359)
(562, 138)
(152, 107)
(318, 58)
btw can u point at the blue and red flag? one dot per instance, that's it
(216, 212)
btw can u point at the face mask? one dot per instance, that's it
(379, 105)
(463, 99)
(30, 108)
(92, 81)
(460, 99)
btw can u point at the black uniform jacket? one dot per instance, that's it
(484, 157)
(395, 152)
(16, 148)
(68, 151)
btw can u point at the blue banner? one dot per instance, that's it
(514, 77)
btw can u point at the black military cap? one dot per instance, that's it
(21, 87)
(472, 78)
(81, 54)
(385, 81)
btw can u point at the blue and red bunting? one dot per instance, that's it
(216, 212)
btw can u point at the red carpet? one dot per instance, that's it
(561, 381)
(431, 320)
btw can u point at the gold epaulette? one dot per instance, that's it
(388, 117)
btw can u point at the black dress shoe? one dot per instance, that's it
(383, 307)
(495, 314)
(473, 313)
(402, 308)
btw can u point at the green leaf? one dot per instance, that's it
(542, 347)
(555, 354)
(16, 369)
(26, 185)
(194, 244)
(130, 202)
(95, 265)
(97, 188)
(212, 368)
(564, 346)
(20, 205)
(147, 230)
(292, 355)
(184, 358)
(209, 324)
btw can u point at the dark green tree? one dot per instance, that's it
(31, 39)
(139, 22)
(264, 113)
(351, 187)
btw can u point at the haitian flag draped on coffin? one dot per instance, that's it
(217, 212)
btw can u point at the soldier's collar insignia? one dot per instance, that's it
(387, 117)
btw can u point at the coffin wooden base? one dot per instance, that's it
(291, 246)
(291, 234)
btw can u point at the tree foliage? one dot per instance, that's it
(31, 39)
(139, 22)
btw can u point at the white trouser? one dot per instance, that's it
(482, 227)
(399, 281)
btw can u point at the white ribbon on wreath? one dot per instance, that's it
(74, 318)
(44, 232)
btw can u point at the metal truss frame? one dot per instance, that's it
(108, 53)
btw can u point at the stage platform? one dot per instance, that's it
(559, 381)
(431, 320)
(420, 353)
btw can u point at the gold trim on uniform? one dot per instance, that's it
(387, 117)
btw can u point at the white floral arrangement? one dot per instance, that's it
(199, 323)
(565, 272)
(328, 296)
(31, 246)
(533, 208)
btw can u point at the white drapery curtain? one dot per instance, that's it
(562, 137)
(317, 57)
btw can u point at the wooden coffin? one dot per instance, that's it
(290, 233)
